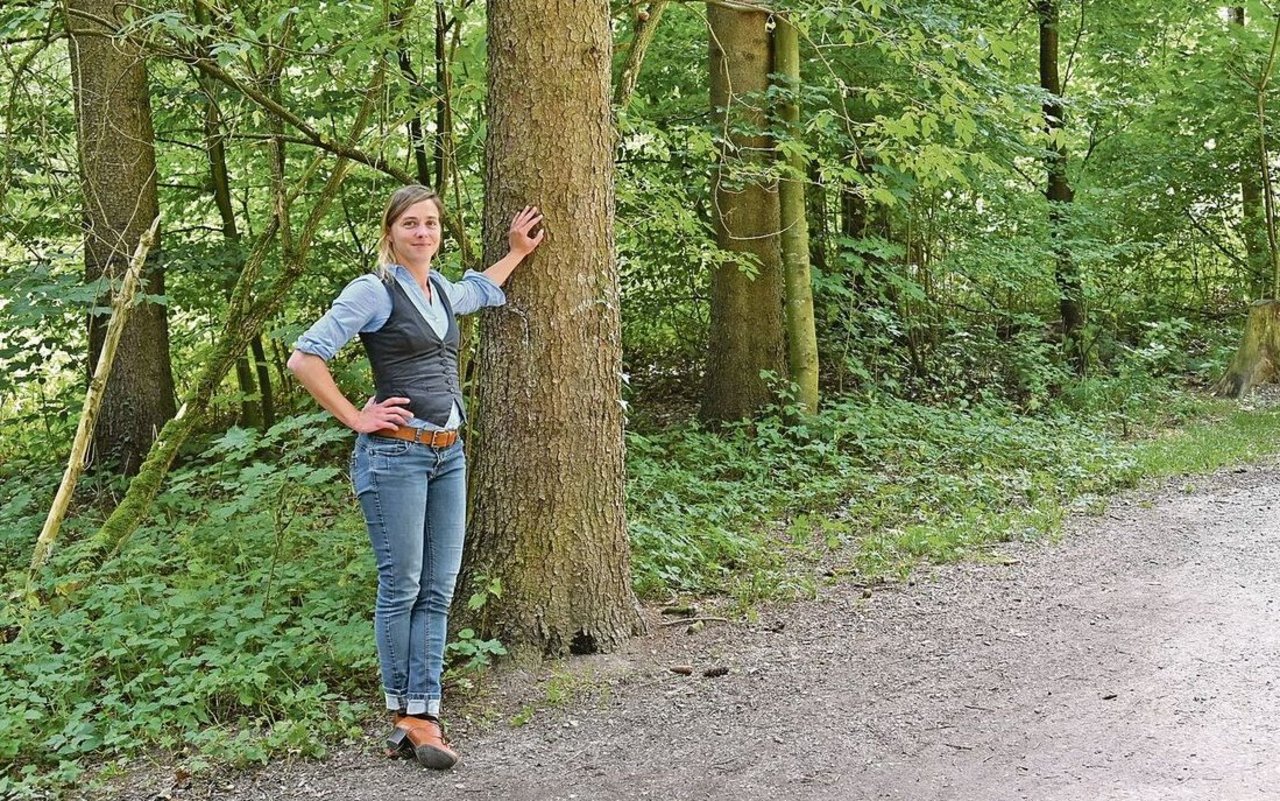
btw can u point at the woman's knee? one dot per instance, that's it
(401, 594)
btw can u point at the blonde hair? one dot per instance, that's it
(400, 201)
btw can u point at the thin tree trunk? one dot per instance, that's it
(820, 230)
(1058, 188)
(1253, 222)
(252, 413)
(443, 122)
(746, 336)
(1268, 191)
(118, 175)
(642, 35)
(549, 476)
(802, 340)
(417, 139)
(265, 395)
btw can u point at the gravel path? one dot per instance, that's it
(1139, 658)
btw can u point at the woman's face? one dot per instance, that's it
(415, 234)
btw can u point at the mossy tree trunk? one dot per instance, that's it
(747, 334)
(251, 305)
(1257, 361)
(117, 157)
(641, 36)
(802, 339)
(548, 479)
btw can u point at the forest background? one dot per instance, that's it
(865, 283)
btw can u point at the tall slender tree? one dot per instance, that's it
(1253, 221)
(1057, 186)
(260, 412)
(1257, 359)
(802, 339)
(116, 147)
(747, 332)
(549, 519)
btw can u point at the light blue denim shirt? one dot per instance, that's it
(364, 306)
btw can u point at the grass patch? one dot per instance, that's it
(1224, 435)
(900, 483)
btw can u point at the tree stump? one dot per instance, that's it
(1257, 361)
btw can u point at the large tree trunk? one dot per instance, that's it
(746, 334)
(549, 517)
(118, 177)
(802, 340)
(1058, 188)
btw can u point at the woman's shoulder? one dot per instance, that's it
(365, 295)
(367, 285)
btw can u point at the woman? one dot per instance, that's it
(408, 467)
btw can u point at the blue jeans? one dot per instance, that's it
(414, 500)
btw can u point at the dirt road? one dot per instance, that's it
(1139, 658)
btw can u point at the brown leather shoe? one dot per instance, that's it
(425, 738)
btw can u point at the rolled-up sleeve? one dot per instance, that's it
(474, 292)
(364, 305)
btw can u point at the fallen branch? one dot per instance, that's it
(121, 306)
(685, 620)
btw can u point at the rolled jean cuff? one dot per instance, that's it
(423, 706)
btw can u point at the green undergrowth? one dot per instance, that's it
(888, 483)
(234, 626)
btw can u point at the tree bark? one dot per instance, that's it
(549, 515)
(746, 335)
(444, 123)
(118, 176)
(1058, 189)
(802, 339)
(266, 398)
(859, 223)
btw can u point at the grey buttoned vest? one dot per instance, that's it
(411, 361)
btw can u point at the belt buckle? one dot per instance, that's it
(442, 439)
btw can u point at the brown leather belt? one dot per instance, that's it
(424, 436)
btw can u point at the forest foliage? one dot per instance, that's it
(233, 624)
